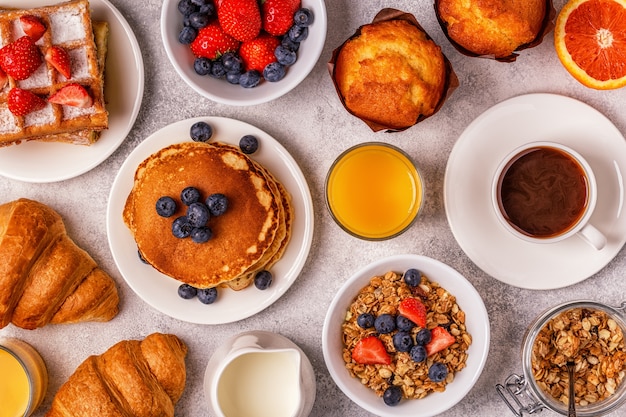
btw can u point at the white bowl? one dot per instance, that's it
(220, 90)
(477, 322)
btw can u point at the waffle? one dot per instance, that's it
(68, 25)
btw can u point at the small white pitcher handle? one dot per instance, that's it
(593, 236)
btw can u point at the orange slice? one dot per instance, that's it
(590, 41)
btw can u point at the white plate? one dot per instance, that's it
(159, 290)
(473, 163)
(220, 90)
(477, 322)
(40, 162)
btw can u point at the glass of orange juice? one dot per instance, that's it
(23, 378)
(374, 191)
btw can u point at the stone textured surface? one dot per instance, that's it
(311, 123)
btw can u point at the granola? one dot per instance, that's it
(596, 344)
(383, 295)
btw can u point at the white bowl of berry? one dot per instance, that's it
(406, 336)
(243, 52)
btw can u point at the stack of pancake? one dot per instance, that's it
(250, 236)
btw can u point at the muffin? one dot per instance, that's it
(494, 28)
(390, 74)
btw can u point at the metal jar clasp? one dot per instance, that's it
(517, 397)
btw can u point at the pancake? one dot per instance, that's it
(241, 237)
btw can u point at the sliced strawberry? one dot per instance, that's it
(20, 58)
(32, 26)
(21, 102)
(259, 52)
(241, 19)
(414, 310)
(60, 60)
(212, 42)
(277, 15)
(74, 95)
(440, 339)
(3, 79)
(370, 351)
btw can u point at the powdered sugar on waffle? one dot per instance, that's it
(41, 117)
(38, 79)
(68, 27)
(7, 121)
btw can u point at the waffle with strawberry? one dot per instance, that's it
(52, 74)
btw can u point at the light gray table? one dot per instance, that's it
(315, 134)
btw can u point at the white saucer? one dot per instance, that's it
(40, 162)
(472, 165)
(267, 340)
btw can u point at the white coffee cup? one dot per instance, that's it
(529, 204)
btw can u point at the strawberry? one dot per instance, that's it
(241, 19)
(277, 15)
(212, 42)
(73, 95)
(59, 59)
(20, 58)
(414, 310)
(440, 339)
(32, 26)
(259, 52)
(21, 102)
(370, 351)
(3, 79)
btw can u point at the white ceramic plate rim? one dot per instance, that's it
(182, 60)
(473, 163)
(40, 162)
(159, 290)
(477, 321)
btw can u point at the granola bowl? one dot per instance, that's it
(379, 288)
(592, 335)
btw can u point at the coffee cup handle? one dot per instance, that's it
(593, 236)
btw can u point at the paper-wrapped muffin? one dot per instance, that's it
(390, 73)
(494, 28)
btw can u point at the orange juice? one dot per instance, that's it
(374, 191)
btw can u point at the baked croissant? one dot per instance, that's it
(44, 276)
(132, 378)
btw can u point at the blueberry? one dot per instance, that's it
(365, 320)
(200, 2)
(198, 20)
(190, 195)
(250, 79)
(303, 17)
(202, 66)
(418, 353)
(404, 324)
(141, 258)
(248, 144)
(263, 279)
(201, 234)
(284, 55)
(298, 33)
(181, 227)
(402, 341)
(437, 372)
(198, 214)
(274, 71)
(200, 132)
(186, 7)
(392, 395)
(217, 69)
(233, 77)
(207, 295)
(412, 277)
(187, 292)
(289, 44)
(423, 337)
(166, 206)
(208, 9)
(232, 62)
(385, 323)
(217, 204)
(187, 35)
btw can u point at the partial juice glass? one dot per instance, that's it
(374, 191)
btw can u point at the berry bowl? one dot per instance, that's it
(406, 360)
(217, 88)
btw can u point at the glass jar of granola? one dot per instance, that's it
(587, 332)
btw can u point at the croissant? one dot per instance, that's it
(132, 378)
(44, 276)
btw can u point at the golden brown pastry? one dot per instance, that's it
(390, 74)
(492, 27)
(132, 378)
(44, 276)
